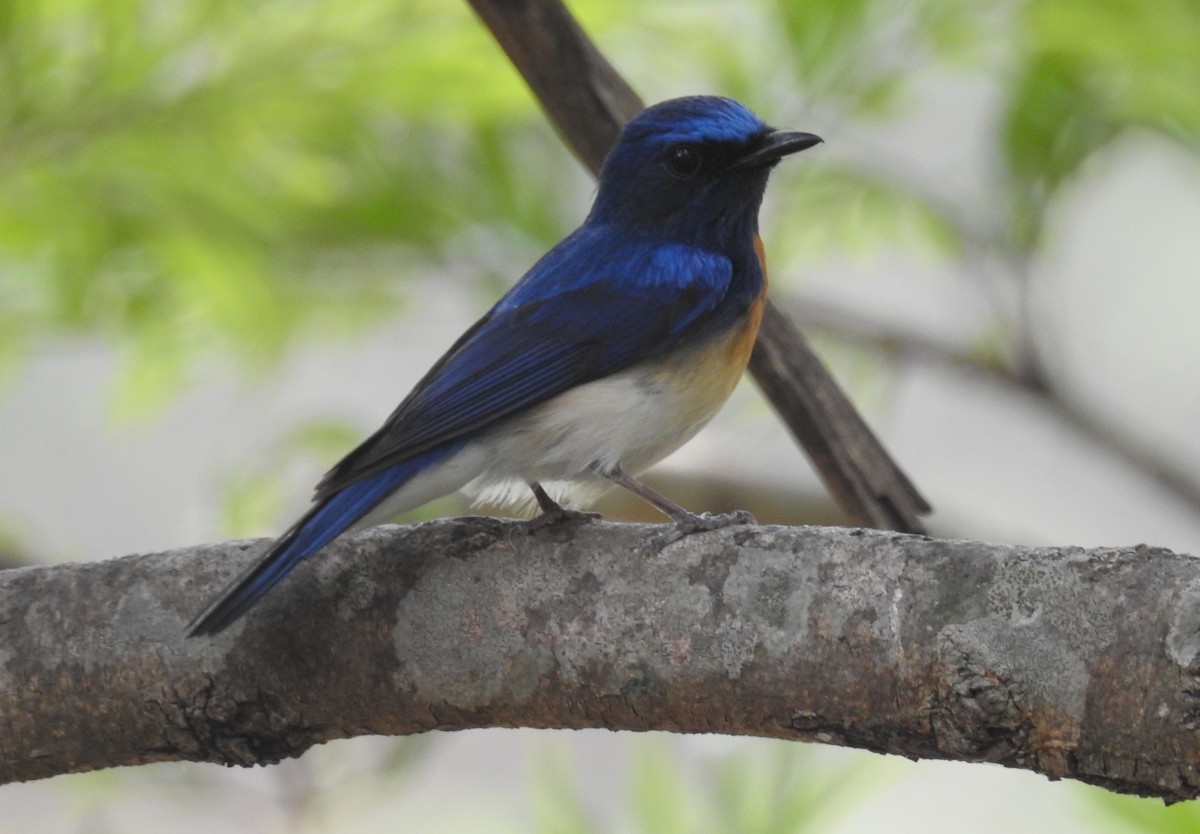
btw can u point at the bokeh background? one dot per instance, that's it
(233, 234)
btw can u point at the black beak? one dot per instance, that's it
(775, 146)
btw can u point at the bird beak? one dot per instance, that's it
(775, 146)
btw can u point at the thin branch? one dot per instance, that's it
(912, 346)
(582, 95)
(1070, 663)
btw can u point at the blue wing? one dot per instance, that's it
(583, 312)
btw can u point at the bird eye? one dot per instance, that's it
(683, 160)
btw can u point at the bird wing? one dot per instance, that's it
(574, 318)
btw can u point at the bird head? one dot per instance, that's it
(692, 168)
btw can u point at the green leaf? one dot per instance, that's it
(782, 788)
(1140, 53)
(253, 501)
(828, 37)
(851, 209)
(1056, 120)
(183, 178)
(662, 801)
(1087, 72)
(251, 504)
(558, 807)
(1116, 813)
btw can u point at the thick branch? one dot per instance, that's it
(1072, 663)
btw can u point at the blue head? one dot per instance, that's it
(692, 169)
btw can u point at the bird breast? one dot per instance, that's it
(631, 419)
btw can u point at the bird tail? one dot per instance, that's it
(328, 519)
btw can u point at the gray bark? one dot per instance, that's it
(1069, 662)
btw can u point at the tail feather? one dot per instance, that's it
(319, 526)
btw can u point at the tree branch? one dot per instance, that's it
(909, 345)
(1071, 663)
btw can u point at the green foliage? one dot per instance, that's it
(189, 178)
(1089, 71)
(14, 552)
(252, 498)
(782, 789)
(558, 807)
(196, 180)
(661, 798)
(760, 787)
(835, 50)
(1138, 56)
(1055, 123)
(1076, 74)
(1118, 814)
(859, 210)
(859, 55)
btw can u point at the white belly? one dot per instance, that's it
(630, 420)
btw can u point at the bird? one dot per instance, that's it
(612, 351)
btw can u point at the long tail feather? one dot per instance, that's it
(319, 526)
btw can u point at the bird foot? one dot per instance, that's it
(691, 523)
(557, 515)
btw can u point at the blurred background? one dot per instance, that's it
(233, 235)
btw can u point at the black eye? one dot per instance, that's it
(683, 160)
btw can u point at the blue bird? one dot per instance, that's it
(611, 353)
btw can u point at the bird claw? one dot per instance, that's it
(698, 524)
(558, 515)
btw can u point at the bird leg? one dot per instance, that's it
(686, 522)
(552, 511)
